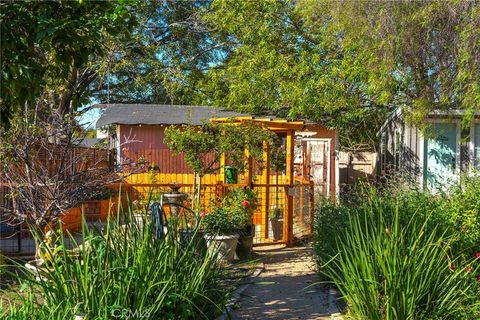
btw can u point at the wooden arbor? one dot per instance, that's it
(264, 180)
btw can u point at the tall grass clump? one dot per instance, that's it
(333, 219)
(388, 271)
(124, 273)
(391, 255)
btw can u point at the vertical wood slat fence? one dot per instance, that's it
(15, 238)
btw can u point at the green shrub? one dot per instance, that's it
(125, 273)
(389, 270)
(234, 213)
(461, 207)
(389, 253)
(332, 219)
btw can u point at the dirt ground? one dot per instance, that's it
(286, 289)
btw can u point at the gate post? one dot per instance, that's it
(288, 220)
(266, 181)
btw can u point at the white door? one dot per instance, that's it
(440, 156)
(318, 154)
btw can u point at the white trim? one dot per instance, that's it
(119, 158)
(458, 169)
(421, 157)
(328, 167)
(337, 168)
(453, 112)
(471, 148)
(472, 144)
(317, 139)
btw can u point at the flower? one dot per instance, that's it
(245, 203)
(452, 266)
(468, 269)
(477, 255)
(203, 214)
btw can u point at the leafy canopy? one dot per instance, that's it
(51, 52)
(345, 63)
(196, 142)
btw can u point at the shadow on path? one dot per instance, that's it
(286, 289)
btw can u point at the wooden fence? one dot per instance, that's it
(15, 239)
(295, 201)
(355, 167)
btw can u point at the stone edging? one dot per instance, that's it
(236, 294)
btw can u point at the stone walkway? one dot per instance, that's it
(286, 289)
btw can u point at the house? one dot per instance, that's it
(145, 125)
(311, 168)
(435, 157)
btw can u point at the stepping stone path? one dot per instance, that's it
(286, 289)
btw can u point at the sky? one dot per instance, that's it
(89, 118)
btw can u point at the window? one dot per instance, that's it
(477, 145)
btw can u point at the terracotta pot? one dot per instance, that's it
(245, 243)
(223, 247)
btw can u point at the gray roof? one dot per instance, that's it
(446, 114)
(159, 114)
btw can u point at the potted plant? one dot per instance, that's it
(221, 227)
(276, 222)
(244, 201)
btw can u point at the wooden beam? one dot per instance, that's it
(266, 181)
(288, 220)
(290, 156)
(222, 167)
(277, 124)
(232, 119)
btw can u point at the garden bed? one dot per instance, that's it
(403, 253)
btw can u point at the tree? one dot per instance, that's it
(51, 52)
(169, 52)
(46, 169)
(419, 55)
(345, 63)
(280, 64)
(215, 139)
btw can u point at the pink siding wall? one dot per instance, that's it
(150, 145)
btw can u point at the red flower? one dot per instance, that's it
(452, 266)
(203, 214)
(477, 255)
(468, 269)
(245, 203)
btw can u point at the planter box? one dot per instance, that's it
(106, 209)
(71, 220)
(91, 209)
